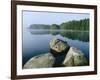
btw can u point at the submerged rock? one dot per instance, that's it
(40, 61)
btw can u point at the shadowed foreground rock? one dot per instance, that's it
(40, 61)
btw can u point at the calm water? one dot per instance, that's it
(37, 42)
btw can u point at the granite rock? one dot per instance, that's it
(40, 61)
(75, 57)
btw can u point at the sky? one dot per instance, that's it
(33, 17)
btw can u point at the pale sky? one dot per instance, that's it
(33, 17)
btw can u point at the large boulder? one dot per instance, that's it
(75, 57)
(40, 61)
(58, 45)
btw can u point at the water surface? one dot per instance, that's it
(37, 41)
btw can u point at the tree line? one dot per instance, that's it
(82, 24)
(76, 25)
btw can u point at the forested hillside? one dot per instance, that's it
(70, 25)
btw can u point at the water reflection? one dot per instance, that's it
(71, 34)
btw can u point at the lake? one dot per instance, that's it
(37, 41)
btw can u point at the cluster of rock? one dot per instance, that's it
(73, 56)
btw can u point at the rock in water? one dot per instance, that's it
(58, 46)
(40, 61)
(75, 57)
(71, 55)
